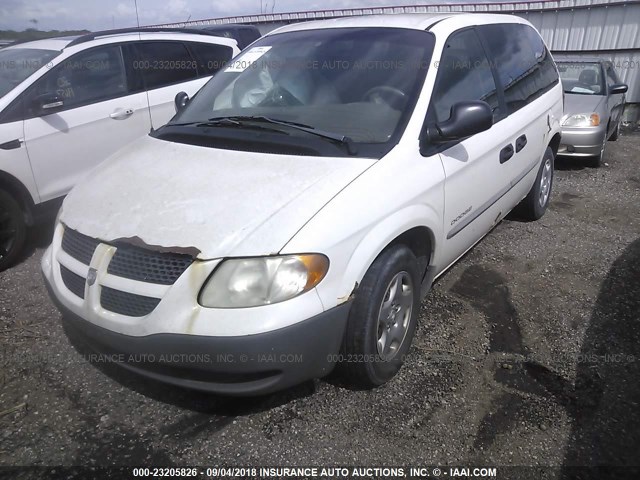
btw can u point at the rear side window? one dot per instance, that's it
(164, 63)
(525, 67)
(464, 74)
(211, 58)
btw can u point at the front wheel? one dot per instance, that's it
(598, 160)
(13, 230)
(616, 133)
(382, 320)
(535, 204)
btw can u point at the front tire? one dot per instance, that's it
(13, 231)
(535, 204)
(382, 320)
(615, 134)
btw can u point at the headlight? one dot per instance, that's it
(251, 282)
(582, 120)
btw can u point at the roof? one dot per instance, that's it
(415, 21)
(57, 44)
(60, 43)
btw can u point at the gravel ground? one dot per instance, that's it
(527, 353)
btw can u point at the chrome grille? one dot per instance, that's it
(147, 266)
(127, 304)
(79, 246)
(75, 283)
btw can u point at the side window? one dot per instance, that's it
(612, 78)
(164, 63)
(88, 77)
(464, 73)
(211, 58)
(545, 74)
(525, 67)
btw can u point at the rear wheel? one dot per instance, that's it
(13, 230)
(382, 320)
(535, 204)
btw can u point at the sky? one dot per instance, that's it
(104, 14)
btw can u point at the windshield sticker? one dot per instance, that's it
(247, 60)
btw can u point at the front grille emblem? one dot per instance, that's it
(92, 276)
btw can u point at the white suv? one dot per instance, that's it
(295, 211)
(66, 104)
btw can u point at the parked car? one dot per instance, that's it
(245, 35)
(66, 104)
(594, 104)
(295, 211)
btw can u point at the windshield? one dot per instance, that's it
(581, 78)
(358, 83)
(16, 64)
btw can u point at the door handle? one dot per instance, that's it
(121, 113)
(12, 144)
(506, 153)
(521, 142)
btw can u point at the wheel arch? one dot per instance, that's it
(414, 227)
(554, 144)
(17, 190)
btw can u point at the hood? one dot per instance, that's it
(574, 104)
(215, 203)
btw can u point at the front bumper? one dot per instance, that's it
(244, 351)
(246, 365)
(581, 142)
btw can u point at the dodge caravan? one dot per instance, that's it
(293, 213)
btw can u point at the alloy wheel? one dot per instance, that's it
(545, 182)
(395, 315)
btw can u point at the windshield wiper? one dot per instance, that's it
(218, 122)
(240, 119)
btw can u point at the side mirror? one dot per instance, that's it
(466, 119)
(181, 101)
(48, 103)
(618, 88)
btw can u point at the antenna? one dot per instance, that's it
(135, 2)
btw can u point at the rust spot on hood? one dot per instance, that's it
(193, 252)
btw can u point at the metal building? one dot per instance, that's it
(605, 28)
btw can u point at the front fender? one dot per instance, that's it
(383, 234)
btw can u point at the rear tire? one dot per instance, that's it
(13, 231)
(382, 320)
(535, 204)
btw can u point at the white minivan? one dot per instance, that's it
(68, 103)
(292, 215)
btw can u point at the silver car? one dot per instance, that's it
(593, 106)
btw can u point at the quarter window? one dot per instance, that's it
(464, 74)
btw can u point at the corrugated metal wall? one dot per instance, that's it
(608, 31)
(604, 28)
